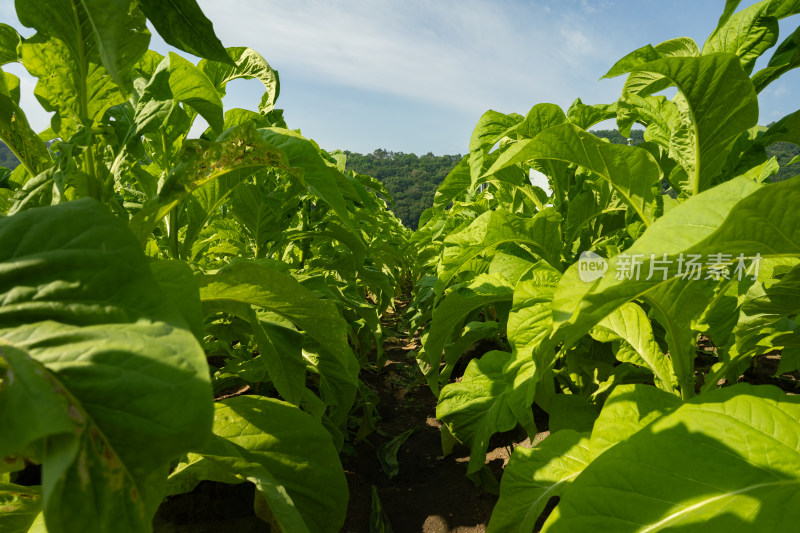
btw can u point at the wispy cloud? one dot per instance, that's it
(467, 54)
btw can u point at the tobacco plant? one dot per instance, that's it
(599, 292)
(145, 273)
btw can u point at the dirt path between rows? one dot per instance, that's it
(430, 493)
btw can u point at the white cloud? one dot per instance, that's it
(779, 91)
(466, 55)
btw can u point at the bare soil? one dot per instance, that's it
(431, 493)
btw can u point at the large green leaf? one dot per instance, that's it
(105, 385)
(283, 451)
(751, 31)
(535, 475)
(733, 465)
(477, 407)
(183, 25)
(107, 20)
(531, 318)
(255, 284)
(283, 359)
(717, 101)
(190, 85)
(249, 64)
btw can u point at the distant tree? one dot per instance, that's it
(411, 180)
(7, 157)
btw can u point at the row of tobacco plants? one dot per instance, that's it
(144, 274)
(599, 293)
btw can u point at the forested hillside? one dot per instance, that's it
(411, 179)
(7, 158)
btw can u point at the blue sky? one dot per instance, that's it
(415, 76)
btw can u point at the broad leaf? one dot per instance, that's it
(74, 41)
(535, 475)
(248, 65)
(477, 407)
(734, 465)
(108, 385)
(283, 451)
(254, 284)
(717, 100)
(183, 25)
(748, 220)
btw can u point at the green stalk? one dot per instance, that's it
(172, 222)
(89, 163)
